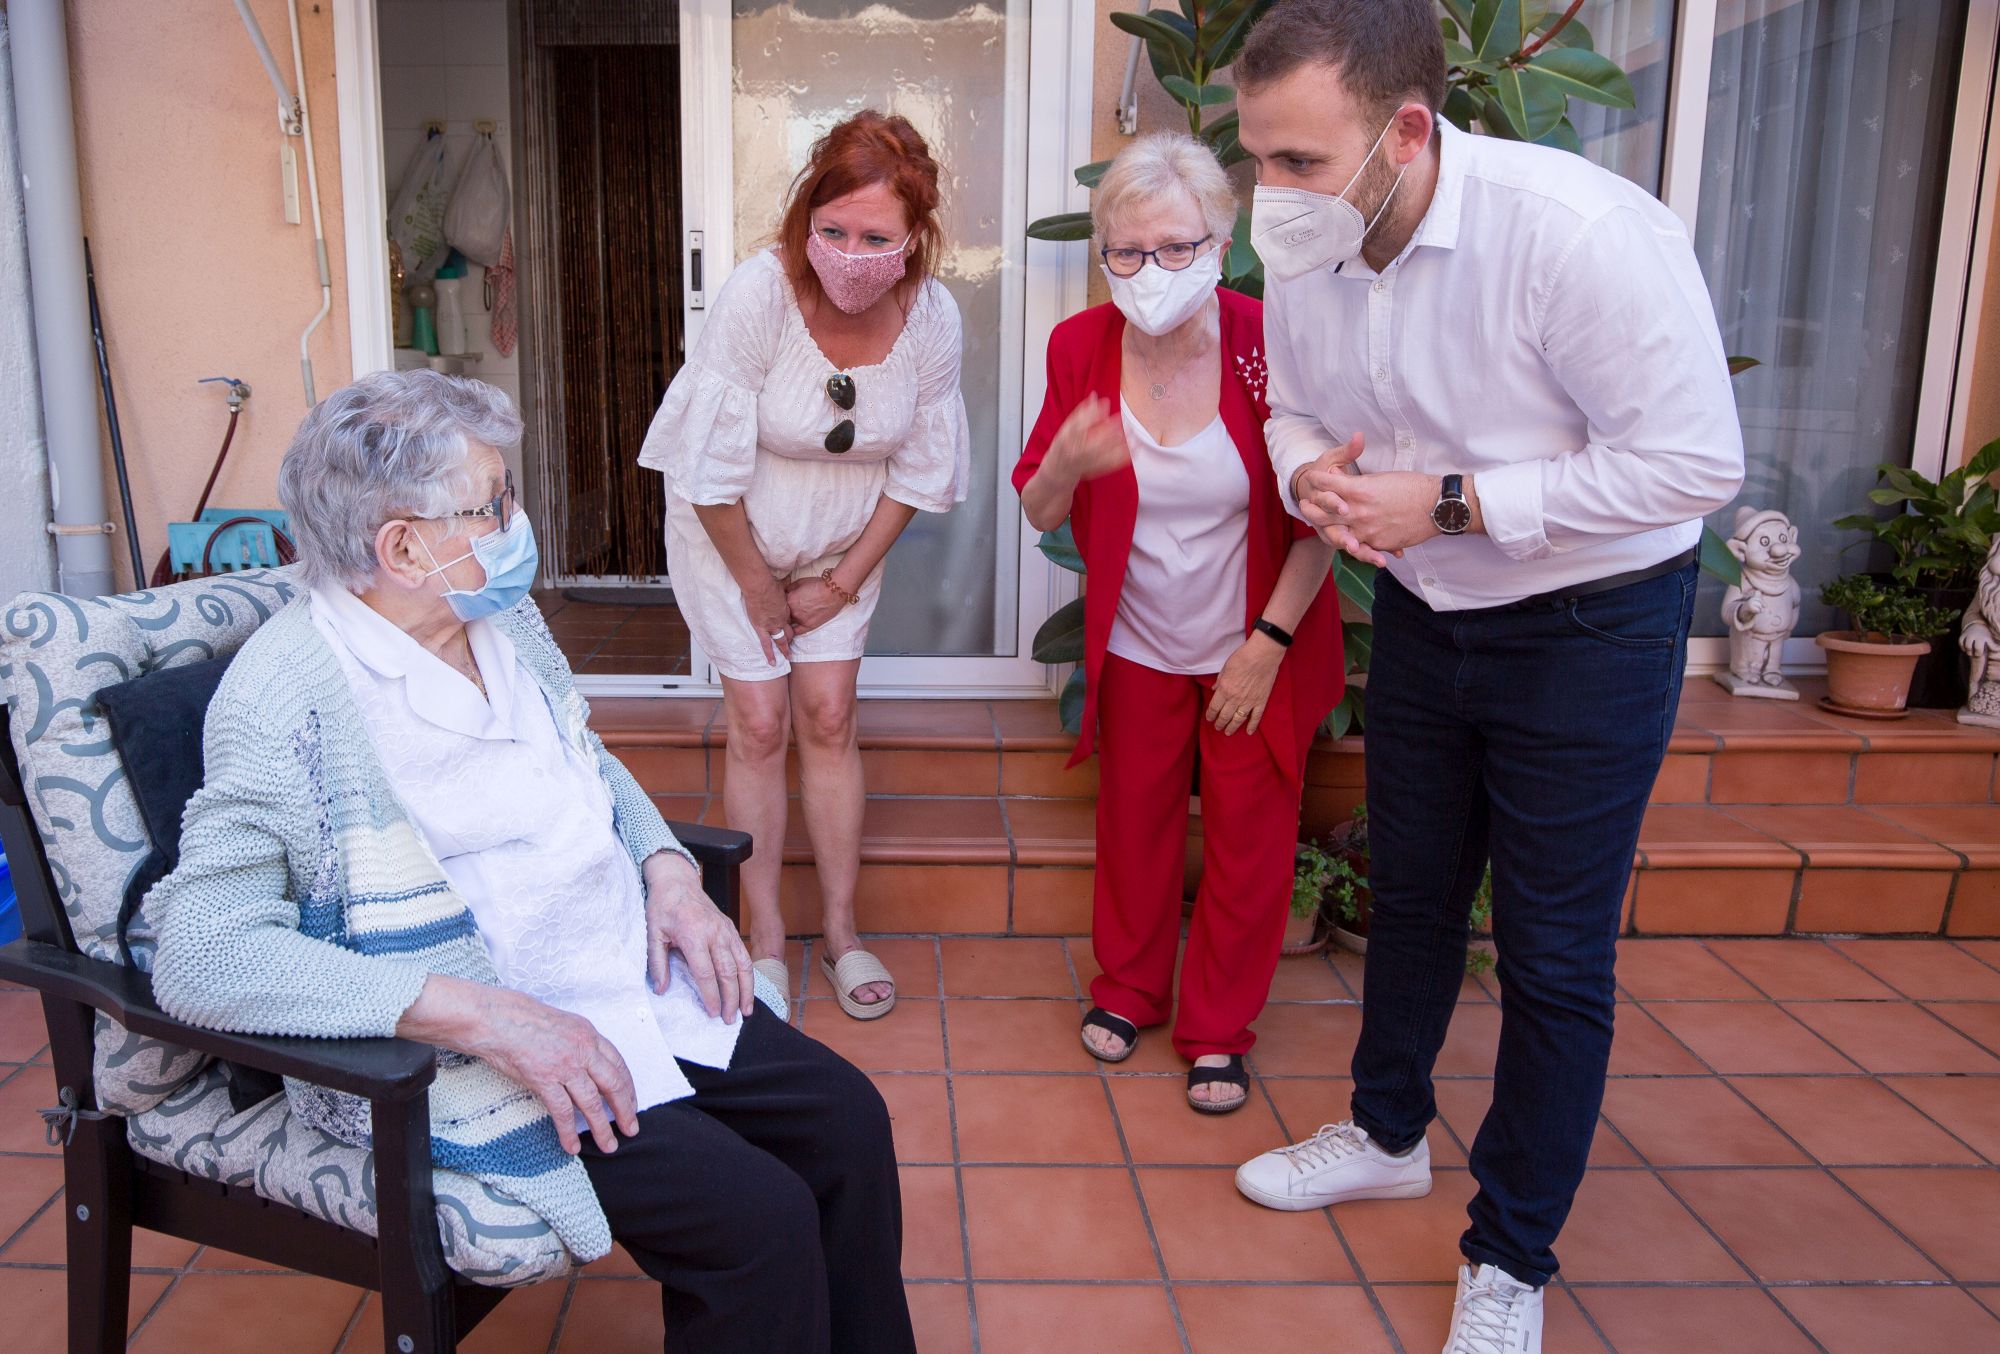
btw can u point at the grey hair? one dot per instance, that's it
(392, 444)
(1161, 163)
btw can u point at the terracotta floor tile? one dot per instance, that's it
(45, 1241)
(1738, 1039)
(1869, 1320)
(908, 1039)
(217, 1260)
(251, 1313)
(22, 1032)
(1694, 1122)
(914, 723)
(1052, 902)
(1051, 1119)
(36, 1303)
(1681, 833)
(31, 1088)
(1006, 968)
(1030, 725)
(1893, 1037)
(1872, 902)
(1922, 777)
(1626, 1227)
(1848, 1121)
(1472, 1043)
(1160, 1129)
(1046, 774)
(1968, 1107)
(1798, 1226)
(1949, 1214)
(919, 1113)
(523, 1323)
(1421, 1315)
(1307, 1103)
(942, 1319)
(1970, 829)
(1307, 977)
(1787, 777)
(1056, 1222)
(930, 771)
(619, 1264)
(1831, 834)
(1074, 1318)
(1054, 831)
(27, 1184)
(1409, 1240)
(1025, 1035)
(933, 1238)
(1677, 970)
(1928, 970)
(1640, 1047)
(1798, 970)
(1232, 1318)
(1207, 1230)
(1353, 970)
(618, 720)
(1977, 1020)
(1986, 952)
(1084, 961)
(606, 1314)
(1713, 901)
(1305, 1040)
(911, 961)
(1675, 1320)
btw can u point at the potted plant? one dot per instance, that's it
(1336, 874)
(1868, 668)
(1326, 892)
(1937, 538)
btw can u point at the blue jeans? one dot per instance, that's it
(1531, 737)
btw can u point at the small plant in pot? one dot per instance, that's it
(1337, 876)
(1868, 668)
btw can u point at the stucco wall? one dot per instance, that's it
(27, 559)
(198, 272)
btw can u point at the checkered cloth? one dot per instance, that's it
(506, 324)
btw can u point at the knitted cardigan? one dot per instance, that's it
(306, 903)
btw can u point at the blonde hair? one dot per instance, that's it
(1156, 165)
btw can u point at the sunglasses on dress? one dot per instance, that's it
(840, 389)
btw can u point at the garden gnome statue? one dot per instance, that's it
(1762, 610)
(1980, 643)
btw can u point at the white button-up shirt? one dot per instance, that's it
(1546, 331)
(520, 820)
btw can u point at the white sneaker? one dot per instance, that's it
(1335, 1165)
(1494, 1314)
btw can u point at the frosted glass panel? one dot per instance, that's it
(956, 71)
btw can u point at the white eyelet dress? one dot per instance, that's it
(746, 421)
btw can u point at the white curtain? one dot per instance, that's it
(1639, 36)
(1822, 184)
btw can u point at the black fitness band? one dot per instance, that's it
(1283, 637)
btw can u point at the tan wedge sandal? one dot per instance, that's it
(858, 968)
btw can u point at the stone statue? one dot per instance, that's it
(1762, 610)
(1977, 638)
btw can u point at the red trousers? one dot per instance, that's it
(1149, 725)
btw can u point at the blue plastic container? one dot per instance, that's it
(10, 909)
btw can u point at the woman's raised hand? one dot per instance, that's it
(1091, 442)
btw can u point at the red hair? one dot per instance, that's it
(869, 148)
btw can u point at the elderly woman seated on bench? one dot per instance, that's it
(407, 828)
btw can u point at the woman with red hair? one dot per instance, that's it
(817, 414)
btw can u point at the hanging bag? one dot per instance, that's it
(476, 222)
(416, 217)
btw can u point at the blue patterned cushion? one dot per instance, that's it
(56, 654)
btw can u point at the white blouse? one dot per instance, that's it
(756, 382)
(521, 823)
(1182, 606)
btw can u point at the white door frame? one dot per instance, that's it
(1049, 282)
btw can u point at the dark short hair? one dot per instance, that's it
(1387, 51)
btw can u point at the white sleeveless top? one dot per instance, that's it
(1184, 599)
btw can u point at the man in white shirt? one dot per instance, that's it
(1495, 371)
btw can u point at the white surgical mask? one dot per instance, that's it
(1158, 302)
(1296, 231)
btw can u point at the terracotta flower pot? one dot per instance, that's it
(1869, 675)
(1303, 935)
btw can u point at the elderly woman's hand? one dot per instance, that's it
(679, 916)
(1243, 686)
(813, 604)
(770, 615)
(560, 1057)
(1091, 442)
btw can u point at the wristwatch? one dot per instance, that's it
(1453, 514)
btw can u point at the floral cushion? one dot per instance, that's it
(56, 654)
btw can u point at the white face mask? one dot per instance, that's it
(1296, 231)
(1158, 302)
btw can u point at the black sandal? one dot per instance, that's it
(1099, 1018)
(1234, 1074)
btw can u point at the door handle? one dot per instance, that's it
(696, 300)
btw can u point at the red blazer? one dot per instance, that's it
(1085, 358)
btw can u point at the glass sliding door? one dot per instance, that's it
(958, 72)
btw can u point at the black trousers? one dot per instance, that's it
(767, 1204)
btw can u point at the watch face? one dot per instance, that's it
(1452, 515)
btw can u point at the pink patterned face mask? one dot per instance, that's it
(855, 282)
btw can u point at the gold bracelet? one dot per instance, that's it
(847, 598)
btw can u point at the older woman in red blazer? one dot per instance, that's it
(1208, 621)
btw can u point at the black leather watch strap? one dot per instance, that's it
(1262, 626)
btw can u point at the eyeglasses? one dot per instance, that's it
(500, 507)
(840, 389)
(1126, 261)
